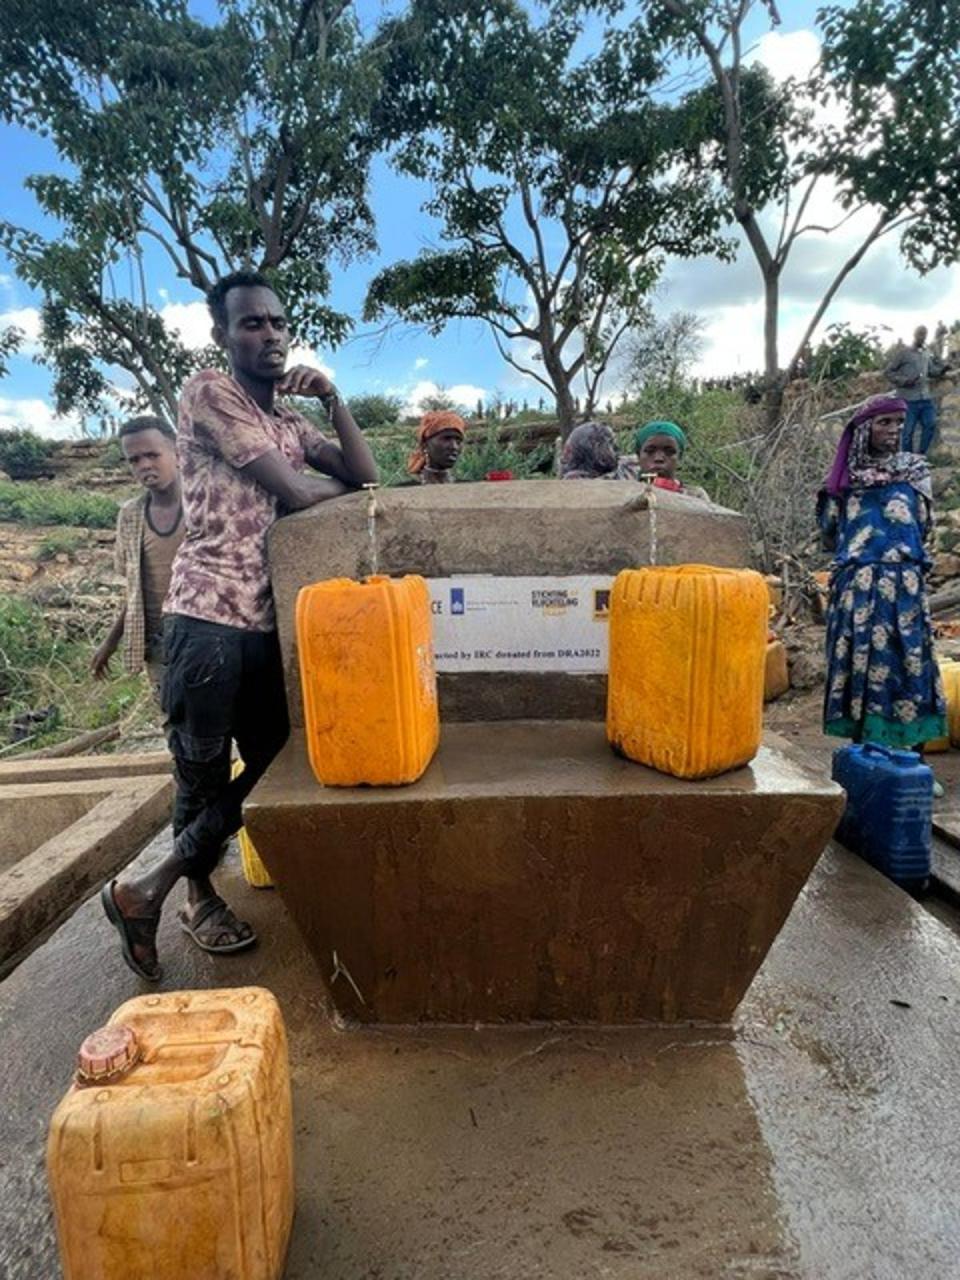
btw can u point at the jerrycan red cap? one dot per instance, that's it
(107, 1054)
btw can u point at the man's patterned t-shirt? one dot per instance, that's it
(220, 573)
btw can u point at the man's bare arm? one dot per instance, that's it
(350, 460)
(295, 490)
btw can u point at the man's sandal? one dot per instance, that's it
(135, 931)
(209, 920)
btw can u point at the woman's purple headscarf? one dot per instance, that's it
(838, 479)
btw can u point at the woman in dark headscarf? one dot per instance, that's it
(883, 684)
(591, 454)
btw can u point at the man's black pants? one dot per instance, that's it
(221, 684)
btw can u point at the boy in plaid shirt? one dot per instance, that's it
(150, 529)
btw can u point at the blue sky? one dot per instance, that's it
(464, 358)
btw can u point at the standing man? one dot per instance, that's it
(149, 531)
(242, 455)
(911, 371)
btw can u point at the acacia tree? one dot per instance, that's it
(661, 353)
(551, 180)
(241, 142)
(891, 68)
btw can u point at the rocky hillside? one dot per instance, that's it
(68, 566)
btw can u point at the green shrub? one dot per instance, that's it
(491, 454)
(373, 411)
(24, 455)
(391, 451)
(718, 425)
(112, 455)
(844, 352)
(27, 503)
(55, 544)
(26, 645)
(45, 666)
(481, 453)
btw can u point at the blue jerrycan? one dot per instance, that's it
(889, 809)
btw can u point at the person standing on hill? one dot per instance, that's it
(149, 531)
(883, 682)
(242, 455)
(911, 371)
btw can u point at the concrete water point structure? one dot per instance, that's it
(530, 875)
(533, 876)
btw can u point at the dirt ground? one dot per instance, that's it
(796, 717)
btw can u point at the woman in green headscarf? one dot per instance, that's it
(660, 446)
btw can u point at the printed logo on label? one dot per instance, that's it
(457, 603)
(555, 601)
(601, 604)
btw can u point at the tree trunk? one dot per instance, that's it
(566, 409)
(773, 378)
(560, 381)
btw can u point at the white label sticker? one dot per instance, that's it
(521, 624)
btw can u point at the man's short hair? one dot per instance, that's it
(217, 295)
(146, 423)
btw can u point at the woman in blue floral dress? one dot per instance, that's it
(883, 683)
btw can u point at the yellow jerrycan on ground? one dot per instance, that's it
(254, 872)
(171, 1156)
(368, 678)
(687, 653)
(950, 675)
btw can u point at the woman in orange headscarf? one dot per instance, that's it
(440, 438)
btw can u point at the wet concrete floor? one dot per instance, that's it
(813, 1139)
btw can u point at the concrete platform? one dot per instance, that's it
(811, 1142)
(86, 768)
(60, 838)
(532, 875)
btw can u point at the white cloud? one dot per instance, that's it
(464, 394)
(786, 54)
(735, 333)
(421, 362)
(191, 320)
(307, 356)
(880, 291)
(26, 319)
(36, 415)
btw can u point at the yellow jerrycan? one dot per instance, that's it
(950, 675)
(687, 654)
(171, 1156)
(368, 678)
(254, 872)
